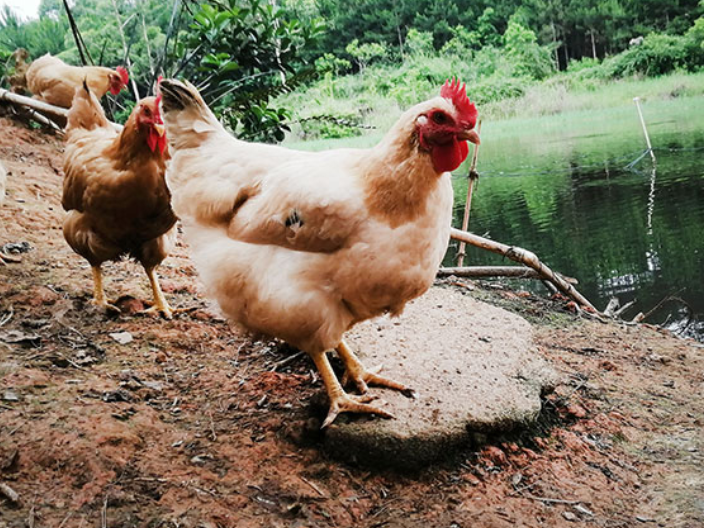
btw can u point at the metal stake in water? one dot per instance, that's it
(645, 130)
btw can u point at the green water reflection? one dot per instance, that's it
(558, 186)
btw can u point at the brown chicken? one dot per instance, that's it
(304, 245)
(53, 81)
(114, 190)
(18, 80)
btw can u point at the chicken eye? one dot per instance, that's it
(147, 112)
(440, 118)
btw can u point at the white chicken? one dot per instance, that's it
(302, 246)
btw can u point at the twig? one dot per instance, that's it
(553, 501)
(286, 361)
(212, 426)
(526, 257)
(104, 513)
(617, 313)
(312, 485)
(6, 318)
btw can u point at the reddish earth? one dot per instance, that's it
(187, 425)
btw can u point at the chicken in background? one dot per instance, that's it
(115, 191)
(55, 82)
(304, 245)
(18, 80)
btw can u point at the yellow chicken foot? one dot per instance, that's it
(99, 294)
(340, 401)
(160, 303)
(355, 371)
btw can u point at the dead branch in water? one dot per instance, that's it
(517, 272)
(526, 257)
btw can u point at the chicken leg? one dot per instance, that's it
(160, 303)
(340, 401)
(355, 371)
(98, 292)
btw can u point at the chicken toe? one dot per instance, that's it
(362, 378)
(339, 400)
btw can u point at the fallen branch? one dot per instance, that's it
(41, 106)
(526, 257)
(518, 272)
(35, 104)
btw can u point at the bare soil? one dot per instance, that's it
(188, 425)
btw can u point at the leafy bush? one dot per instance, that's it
(657, 55)
(530, 59)
(419, 42)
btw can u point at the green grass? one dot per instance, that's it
(552, 108)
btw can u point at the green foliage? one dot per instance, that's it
(240, 53)
(521, 45)
(658, 54)
(45, 35)
(419, 42)
(364, 54)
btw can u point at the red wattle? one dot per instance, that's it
(155, 141)
(449, 156)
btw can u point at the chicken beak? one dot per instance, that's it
(469, 135)
(159, 129)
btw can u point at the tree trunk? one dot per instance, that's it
(593, 44)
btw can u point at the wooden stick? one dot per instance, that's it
(645, 130)
(41, 106)
(518, 272)
(523, 256)
(472, 176)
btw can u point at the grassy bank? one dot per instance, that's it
(549, 105)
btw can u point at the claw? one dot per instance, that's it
(362, 378)
(165, 310)
(345, 403)
(106, 307)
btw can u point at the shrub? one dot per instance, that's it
(658, 54)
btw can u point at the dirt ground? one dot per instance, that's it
(188, 425)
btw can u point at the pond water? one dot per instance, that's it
(559, 187)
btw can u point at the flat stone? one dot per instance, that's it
(475, 370)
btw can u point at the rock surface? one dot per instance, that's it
(474, 368)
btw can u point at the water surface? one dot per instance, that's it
(559, 186)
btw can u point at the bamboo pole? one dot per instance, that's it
(35, 104)
(41, 106)
(472, 176)
(645, 130)
(517, 272)
(524, 257)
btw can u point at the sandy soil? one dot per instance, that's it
(188, 426)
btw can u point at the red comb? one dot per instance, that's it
(456, 92)
(123, 74)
